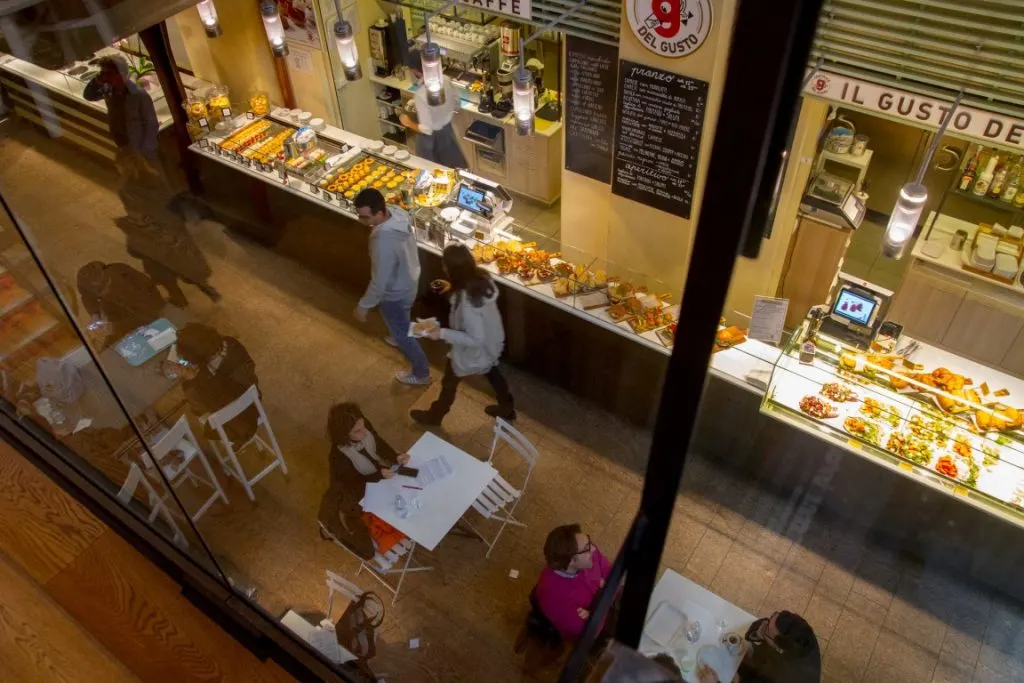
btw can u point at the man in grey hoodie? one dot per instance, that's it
(395, 261)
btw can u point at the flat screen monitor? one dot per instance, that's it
(855, 306)
(470, 198)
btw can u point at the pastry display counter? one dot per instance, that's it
(968, 313)
(620, 311)
(946, 422)
(64, 112)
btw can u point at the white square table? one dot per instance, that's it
(442, 502)
(696, 602)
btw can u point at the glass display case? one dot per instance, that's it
(594, 287)
(946, 421)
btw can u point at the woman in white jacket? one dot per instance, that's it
(476, 335)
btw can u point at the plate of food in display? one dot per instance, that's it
(817, 407)
(998, 418)
(877, 410)
(650, 319)
(839, 392)
(863, 429)
(910, 447)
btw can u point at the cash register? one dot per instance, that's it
(856, 311)
(483, 208)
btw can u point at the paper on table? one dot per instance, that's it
(433, 470)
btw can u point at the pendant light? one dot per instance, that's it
(433, 75)
(273, 26)
(903, 220)
(208, 15)
(522, 100)
(907, 212)
(522, 82)
(348, 53)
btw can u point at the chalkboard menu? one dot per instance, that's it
(590, 107)
(660, 116)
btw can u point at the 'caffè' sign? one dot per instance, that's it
(917, 109)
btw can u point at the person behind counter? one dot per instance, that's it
(435, 139)
(130, 110)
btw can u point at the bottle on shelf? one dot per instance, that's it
(995, 190)
(984, 180)
(970, 171)
(1012, 183)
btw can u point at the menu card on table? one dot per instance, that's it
(660, 117)
(591, 71)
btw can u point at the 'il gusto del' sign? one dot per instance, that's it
(919, 109)
(513, 8)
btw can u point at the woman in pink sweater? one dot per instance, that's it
(576, 570)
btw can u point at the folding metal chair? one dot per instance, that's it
(229, 460)
(499, 499)
(384, 564)
(180, 437)
(157, 506)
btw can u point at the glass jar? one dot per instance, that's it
(218, 104)
(259, 103)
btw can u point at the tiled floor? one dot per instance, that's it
(864, 258)
(879, 616)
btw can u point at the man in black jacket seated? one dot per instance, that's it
(781, 648)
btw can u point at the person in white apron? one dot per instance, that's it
(435, 139)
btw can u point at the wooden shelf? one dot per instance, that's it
(988, 201)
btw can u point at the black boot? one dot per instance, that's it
(495, 410)
(426, 417)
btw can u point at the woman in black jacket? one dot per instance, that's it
(215, 371)
(358, 456)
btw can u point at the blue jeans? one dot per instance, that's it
(397, 316)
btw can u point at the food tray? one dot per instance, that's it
(997, 471)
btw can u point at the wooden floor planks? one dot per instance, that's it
(40, 643)
(79, 604)
(41, 528)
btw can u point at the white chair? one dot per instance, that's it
(499, 499)
(180, 438)
(384, 564)
(157, 506)
(229, 460)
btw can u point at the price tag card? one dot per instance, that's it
(326, 195)
(226, 112)
(767, 319)
(314, 189)
(906, 466)
(960, 490)
(204, 124)
(248, 162)
(204, 143)
(249, 115)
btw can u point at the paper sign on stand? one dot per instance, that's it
(768, 319)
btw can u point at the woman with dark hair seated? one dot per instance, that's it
(215, 371)
(358, 456)
(118, 299)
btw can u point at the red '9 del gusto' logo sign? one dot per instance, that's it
(670, 28)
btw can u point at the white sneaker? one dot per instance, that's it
(391, 341)
(406, 377)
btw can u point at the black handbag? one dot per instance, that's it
(356, 628)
